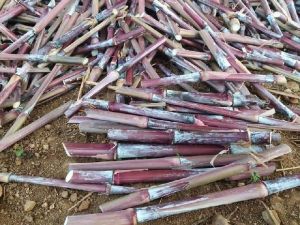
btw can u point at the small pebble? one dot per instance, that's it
(84, 205)
(32, 146)
(46, 147)
(220, 220)
(240, 184)
(28, 219)
(45, 205)
(29, 205)
(73, 197)
(37, 155)
(52, 206)
(65, 194)
(48, 127)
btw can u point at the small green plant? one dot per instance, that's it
(255, 177)
(20, 153)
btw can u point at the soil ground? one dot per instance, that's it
(45, 157)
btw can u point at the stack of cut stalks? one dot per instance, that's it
(193, 89)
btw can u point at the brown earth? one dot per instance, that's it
(45, 157)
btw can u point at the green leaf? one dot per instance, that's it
(20, 153)
(255, 177)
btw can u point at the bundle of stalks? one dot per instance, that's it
(185, 82)
(133, 216)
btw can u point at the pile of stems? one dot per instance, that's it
(175, 85)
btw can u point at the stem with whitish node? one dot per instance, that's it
(32, 103)
(44, 58)
(102, 127)
(214, 76)
(102, 188)
(154, 113)
(145, 121)
(151, 176)
(217, 136)
(180, 162)
(128, 151)
(87, 35)
(116, 40)
(251, 117)
(218, 99)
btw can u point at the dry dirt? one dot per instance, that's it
(51, 208)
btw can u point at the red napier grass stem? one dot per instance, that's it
(38, 27)
(79, 119)
(270, 17)
(6, 32)
(127, 176)
(13, 82)
(277, 104)
(220, 99)
(11, 70)
(151, 176)
(181, 162)
(229, 37)
(9, 116)
(292, 10)
(155, 192)
(144, 121)
(138, 49)
(102, 188)
(154, 113)
(210, 136)
(102, 127)
(56, 92)
(29, 8)
(114, 75)
(98, 69)
(150, 213)
(286, 20)
(20, 134)
(205, 108)
(44, 58)
(118, 39)
(171, 14)
(174, 29)
(214, 76)
(95, 37)
(191, 54)
(154, 32)
(175, 162)
(223, 122)
(12, 12)
(87, 35)
(168, 73)
(128, 151)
